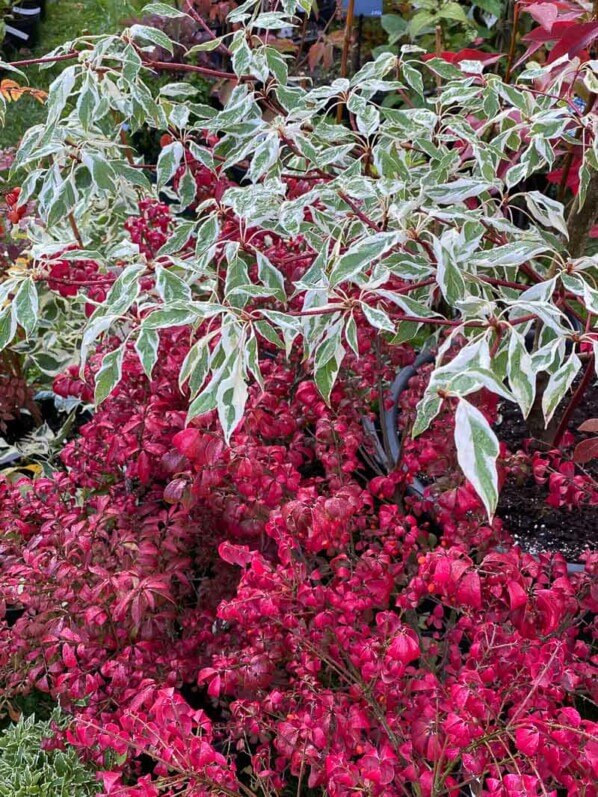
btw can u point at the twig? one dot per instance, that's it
(513, 44)
(47, 59)
(573, 403)
(345, 53)
(359, 213)
(75, 230)
(197, 17)
(438, 51)
(217, 74)
(167, 66)
(302, 40)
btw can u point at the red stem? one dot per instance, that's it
(197, 17)
(47, 59)
(496, 343)
(513, 45)
(168, 66)
(575, 400)
(359, 213)
(75, 230)
(163, 65)
(77, 283)
(414, 286)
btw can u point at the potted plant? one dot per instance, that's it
(405, 216)
(214, 525)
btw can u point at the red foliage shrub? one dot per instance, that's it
(278, 615)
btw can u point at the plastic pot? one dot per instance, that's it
(23, 30)
(22, 27)
(389, 420)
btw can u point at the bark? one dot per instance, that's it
(582, 219)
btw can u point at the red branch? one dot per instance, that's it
(359, 213)
(47, 59)
(575, 399)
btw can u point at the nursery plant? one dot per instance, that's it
(227, 583)
(410, 217)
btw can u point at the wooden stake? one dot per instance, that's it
(345, 55)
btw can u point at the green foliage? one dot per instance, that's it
(5, 6)
(460, 22)
(65, 20)
(26, 769)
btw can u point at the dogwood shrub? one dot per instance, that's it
(433, 195)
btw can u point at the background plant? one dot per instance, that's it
(28, 767)
(458, 23)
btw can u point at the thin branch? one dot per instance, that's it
(345, 53)
(200, 21)
(513, 45)
(573, 403)
(359, 213)
(75, 230)
(168, 66)
(47, 59)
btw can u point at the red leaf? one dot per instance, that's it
(575, 39)
(111, 781)
(187, 441)
(68, 656)
(517, 595)
(527, 740)
(546, 14)
(467, 54)
(550, 607)
(591, 425)
(144, 468)
(174, 491)
(469, 590)
(235, 554)
(404, 647)
(586, 451)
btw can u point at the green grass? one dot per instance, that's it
(65, 20)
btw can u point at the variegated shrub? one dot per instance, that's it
(423, 219)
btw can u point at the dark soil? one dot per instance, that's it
(534, 524)
(538, 527)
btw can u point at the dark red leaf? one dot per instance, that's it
(586, 451)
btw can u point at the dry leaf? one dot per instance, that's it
(12, 91)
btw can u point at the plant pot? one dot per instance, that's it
(33, 9)
(22, 27)
(389, 423)
(23, 32)
(61, 416)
